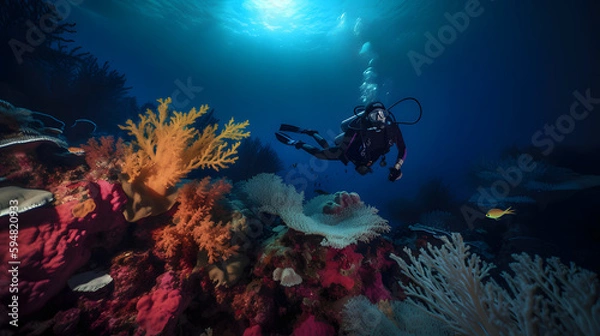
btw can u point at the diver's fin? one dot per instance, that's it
(290, 128)
(285, 139)
(296, 129)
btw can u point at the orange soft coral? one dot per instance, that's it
(194, 228)
(167, 147)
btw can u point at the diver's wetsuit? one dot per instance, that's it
(361, 145)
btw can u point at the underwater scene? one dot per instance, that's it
(299, 167)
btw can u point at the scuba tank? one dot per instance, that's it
(351, 122)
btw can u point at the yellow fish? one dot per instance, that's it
(497, 213)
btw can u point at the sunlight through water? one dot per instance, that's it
(275, 15)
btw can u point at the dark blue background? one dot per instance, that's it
(513, 70)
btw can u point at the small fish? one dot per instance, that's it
(76, 150)
(497, 213)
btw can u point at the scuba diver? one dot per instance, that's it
(367, 136)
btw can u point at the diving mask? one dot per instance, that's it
(378, 116)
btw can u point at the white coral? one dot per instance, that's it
(357, 222)
(287, 276)
(448, 282)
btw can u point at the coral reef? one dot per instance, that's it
(17, 200)
(341, 224)
(362, 318)
(256, 261)
(449, 283)
(158, 309)
(165, 149)
(311, 327)
(195, 229)
(103, 157)
(20, 127)
(53, 243)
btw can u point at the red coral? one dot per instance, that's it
(312, 327)
(255, 330)
(65, 322)
(341, 267)
(194, 227)
(53, 244)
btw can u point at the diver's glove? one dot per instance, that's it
(395, 172)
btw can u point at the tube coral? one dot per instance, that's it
(166, 148)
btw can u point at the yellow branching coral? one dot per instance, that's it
(167, 147)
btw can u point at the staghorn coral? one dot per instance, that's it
(194, 227)
(166, 147)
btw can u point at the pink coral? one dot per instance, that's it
(374, 290)
(312, 327)
(375, 262)
(53, 244)
(161, 306)
(342, 200)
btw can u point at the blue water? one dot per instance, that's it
(512, 69)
